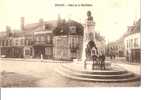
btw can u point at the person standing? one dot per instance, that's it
(85, 64)
(41, 56)
(94, 57)
(102, 57)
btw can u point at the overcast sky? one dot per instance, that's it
(111, 16)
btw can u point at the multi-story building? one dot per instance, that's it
(14, 46)
(67, 40)
(132, 43)
(51, 39)
(116, 48)
(42, 44)
(32, 41)
(55, 39)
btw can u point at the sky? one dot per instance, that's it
(111, 16)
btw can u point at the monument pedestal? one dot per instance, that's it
(76, 71)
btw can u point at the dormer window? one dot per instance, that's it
(72, 29)
(61, 31)
(46, 27)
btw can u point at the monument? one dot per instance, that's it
(89, 52)
(89, 34)
(85, 71)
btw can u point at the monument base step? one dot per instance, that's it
(113, 75)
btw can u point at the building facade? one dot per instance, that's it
(59, 40)
(132, 47)
(132, 43)
(116, 48)
(43, 44)
(55, 39)
(67, 40)
(16, 47)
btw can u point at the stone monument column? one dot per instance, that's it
(89, 33)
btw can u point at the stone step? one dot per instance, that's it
(94, 76)
(135, 78)
(100, 72)
(101, 76)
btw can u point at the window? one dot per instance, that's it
(48, 51)
(37, 38)
(0, 43)
(131, 43)
(21, 42)
(127, 44)
(26, 42)
(135, 42)
(3, 42)
(30, 42)
(49, 38)
(42, 38)
(47, 27)
(16, 42)
(72, 29)
(9, 42)
(6, 42)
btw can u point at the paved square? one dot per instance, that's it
(34, 73)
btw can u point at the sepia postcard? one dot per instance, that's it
(70, 43)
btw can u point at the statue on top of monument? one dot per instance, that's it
(89, 15)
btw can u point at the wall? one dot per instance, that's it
(132, 47)
(61, 50)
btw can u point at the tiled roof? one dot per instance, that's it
(135, 28)
(34, 27)
(29, 29)
(63, 27)
(2, 34)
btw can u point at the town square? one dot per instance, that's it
(69, 53)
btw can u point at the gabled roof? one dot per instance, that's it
(135, 28)
(63, 27)
(34, 27)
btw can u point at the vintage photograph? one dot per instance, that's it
(70, 43)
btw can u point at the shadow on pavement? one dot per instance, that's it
(12, 79)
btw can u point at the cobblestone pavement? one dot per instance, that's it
(46, 75)
(133, 67)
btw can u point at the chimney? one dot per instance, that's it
(22, 23)
(59, 19)
(8, 30)
(41, 22)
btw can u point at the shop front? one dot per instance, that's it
(28, 52)
(12, 52)
(45, 51)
